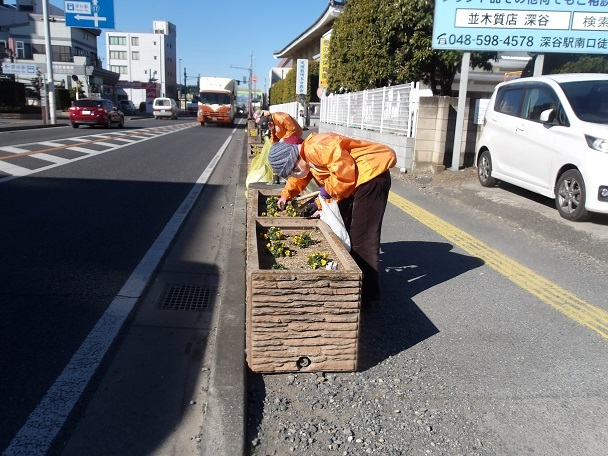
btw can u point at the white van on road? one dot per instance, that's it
(165, 107)
(549, 134)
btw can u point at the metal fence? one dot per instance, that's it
(387, 110)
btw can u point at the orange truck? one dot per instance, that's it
(217, 101)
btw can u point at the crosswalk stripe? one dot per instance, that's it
(84, 150)
(13, 150)
(14, 169)
(51, 158)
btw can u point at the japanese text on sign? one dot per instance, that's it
(525, 25)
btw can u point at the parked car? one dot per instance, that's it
(126, 106)
(549, 134)
(165, 107)
(90, 111)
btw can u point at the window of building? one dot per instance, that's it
(62, 53)
(3, 44)
(118, 55)
(119, 40)
(38, 49)
(135, 55)
(19, 50)
(121, 69)
(134, 41)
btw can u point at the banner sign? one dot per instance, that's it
(543, 26)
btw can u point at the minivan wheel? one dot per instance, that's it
(484, 170)
(570, 195)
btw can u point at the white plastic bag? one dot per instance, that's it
(330, 214)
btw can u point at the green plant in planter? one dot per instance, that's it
(272, 208)
(277, 247)
(318, 260)
(303, 240)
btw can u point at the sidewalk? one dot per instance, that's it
(62, 119)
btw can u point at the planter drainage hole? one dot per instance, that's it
(185, 297)
(303, 362)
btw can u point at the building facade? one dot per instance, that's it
(146, 63)
(74, 50)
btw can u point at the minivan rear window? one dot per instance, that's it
(162, 103)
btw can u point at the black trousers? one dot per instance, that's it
(362, 213)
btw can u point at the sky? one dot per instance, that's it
(212, 35)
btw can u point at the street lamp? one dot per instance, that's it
(250, 113)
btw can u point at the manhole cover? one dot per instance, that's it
(185, 297)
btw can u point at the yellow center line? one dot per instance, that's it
(557, 297)
(84, 143)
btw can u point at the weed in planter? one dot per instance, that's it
(277, 266)
(318, 260)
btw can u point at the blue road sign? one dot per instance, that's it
(89, 13)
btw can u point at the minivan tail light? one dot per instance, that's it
(597, 143)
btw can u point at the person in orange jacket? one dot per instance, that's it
(356, 174)
(281, 125)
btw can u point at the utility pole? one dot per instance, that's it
(185, 90)
(250, 89)
(49, 60)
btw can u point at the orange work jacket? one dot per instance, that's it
(340, 164)
(284, 127)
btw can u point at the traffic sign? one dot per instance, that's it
(254, 79)
(89, 13)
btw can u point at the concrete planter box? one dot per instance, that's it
(256, 198)
(301, 320)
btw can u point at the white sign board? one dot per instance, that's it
(19, 68)
(566, 26)
(302, 77)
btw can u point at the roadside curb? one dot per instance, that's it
(224, 425)
(31, 127)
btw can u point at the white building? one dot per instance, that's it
(144, 58)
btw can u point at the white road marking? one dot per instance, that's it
(51, 158)
(14, 150)
(43, 424)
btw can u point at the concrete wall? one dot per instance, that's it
(434, 134)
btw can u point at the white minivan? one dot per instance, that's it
(165, 107)
(549, 134)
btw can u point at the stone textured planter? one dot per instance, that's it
(301, 320)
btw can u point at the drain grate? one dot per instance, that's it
(185, 297)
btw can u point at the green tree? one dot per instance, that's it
(569, 63)
(376, 43)
(284, 91)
